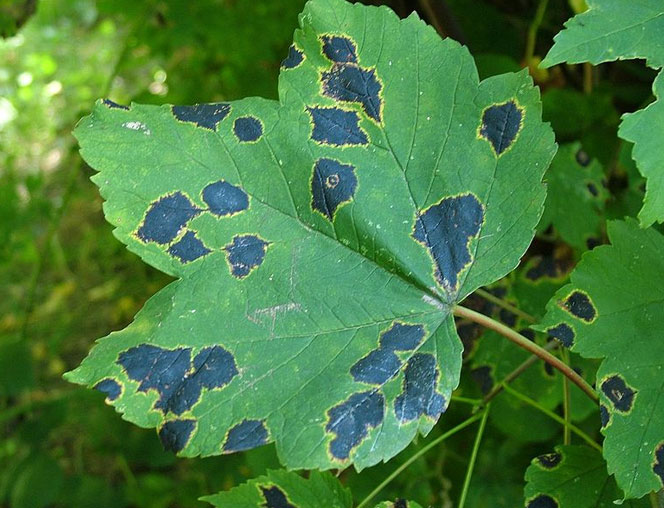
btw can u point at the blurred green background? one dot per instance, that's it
(65, 280)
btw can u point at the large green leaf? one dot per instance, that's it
(617, 30)
(572, 477)
(320, 242)
(613, 310)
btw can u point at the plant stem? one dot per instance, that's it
(473, 458)
(417, 455)
(532, 31)
(528, 345)
(566, 401)
(587, 78)
(507, 306)
(553, 416)
(466, 400)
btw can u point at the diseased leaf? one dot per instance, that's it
(618, 30)
(320, 242)
(572, 477)
(612, 310)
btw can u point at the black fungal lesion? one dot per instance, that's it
(419, 396)
(582, 158)
(166, 217)
(275, 497)
(483, 376)
(400, 503)
(110, 387)
(604, 416)
(114, 105)
(592, 189)
(337, 127)
(294, 59)
(579, 304)
(248, 129)
(188, 248)
(332, 185)
(658, 464)
(542, 501)
(175, 435)
(339, 48)
(549, 461)
(549, 268)
(446, 230)
(501, 125)
(620, 394)
(563, 333)
(173, 375)
(245, 253)
(224, 199)
(351, 420)
(206, 116)
(245, 435)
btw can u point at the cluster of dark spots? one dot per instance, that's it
(295, 57)
(351, 420)
(110, 387)
(658, 466)
(339, 49)
(189, 248)
(166, 217)
(542, 501)
(548, 267)
(171, 374)
(245, 435)
(248, 129)
(563, 333)
(275, 498)
(245, 253)
(592, 188)
(419, 397)
(203, 115)
(382, 363)
(501, 124)
(174, 435)
(549, 460)
(582, 158)
(579, 305)
(224, 199)
(337, 127)
(604, 415)
(332, 184)
(114, 105)
(446, 229)
(483, 377)
(591, 243)
(616, 390)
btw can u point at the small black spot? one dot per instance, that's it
(419, 395)
(446, 230)
(402, 337)
(580, 306)
(351, 420)
(169, 372)
(295, 57)
(110, 387)
(203, 115)
(549, 370)
(352, 83)
(591, 243)
(377, 367)
(166, 217)
(245, 435)
(174, 435)
(332, 184)
(501, 124)
(592, 188)
(528, 333)
(604, 415)
(275, 498)
(245, 253)
(400, 503)
(542, 501)
(114, 105)
(337, 127)
(189, 248)
(225, 199)
(248, 129)
(339, 49)
(658, 466)
(482, 376)
(508, 318)
(549, 460)
(582, 158)
(617, 391)
(563, 333)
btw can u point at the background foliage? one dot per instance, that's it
(64, 278)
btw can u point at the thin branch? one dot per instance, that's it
(528, 345)
(532, 31)
(503, 304)
(566, 401)
(473, 459)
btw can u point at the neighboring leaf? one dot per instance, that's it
(613, 310)
(572, 477)
(399, 503)
(14, 14)
(575, 198)
(618, 30)
(320, 242)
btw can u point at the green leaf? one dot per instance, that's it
(612, 310)
(576, 197)
(320, 242)
(14, 14)
(573, 477)
(617, 30)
